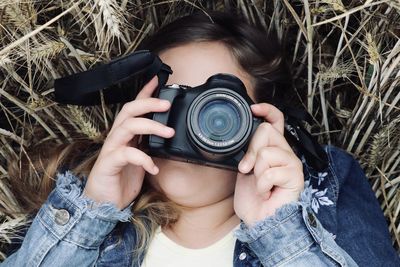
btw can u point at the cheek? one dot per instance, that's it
(193, 185)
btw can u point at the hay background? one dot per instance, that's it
(345, 57)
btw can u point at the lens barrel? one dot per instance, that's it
(219, 122)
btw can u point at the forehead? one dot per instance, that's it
(192, 64)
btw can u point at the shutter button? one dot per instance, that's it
(312, 220)
(62, 216)
(242, 256)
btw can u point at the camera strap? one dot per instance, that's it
(83, 88)
(307, 144)
(116, 78)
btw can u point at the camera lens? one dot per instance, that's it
(219, 120)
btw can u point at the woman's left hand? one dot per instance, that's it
(277, 176)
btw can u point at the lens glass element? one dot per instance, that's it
(219, 120)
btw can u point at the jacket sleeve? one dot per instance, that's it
(68, 229)
(293, 236)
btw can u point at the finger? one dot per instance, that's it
(265, 135)
(271, 114)
(269, 157)
(123, 156)
(140, 107)
(148, 89)
(133, 126)
(288, 178)
(245, 186)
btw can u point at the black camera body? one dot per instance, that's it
(213, 123)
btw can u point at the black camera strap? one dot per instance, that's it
(116, 76)
(306, 143)
(83, 88)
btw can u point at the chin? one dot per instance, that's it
(192, 185)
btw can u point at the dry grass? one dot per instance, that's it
(345, 57)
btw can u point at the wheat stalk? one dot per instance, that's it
(111, 14)
(85, 125)
(36, 31)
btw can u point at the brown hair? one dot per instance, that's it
(257, 52)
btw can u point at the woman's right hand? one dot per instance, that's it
(118, 173)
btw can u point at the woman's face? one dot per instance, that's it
(187, 184)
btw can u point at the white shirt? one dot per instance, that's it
(166, 253)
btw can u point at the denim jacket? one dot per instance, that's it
(72, 230)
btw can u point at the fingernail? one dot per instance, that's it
(170, 130)
(165, 102)
(155, 169)
(243, 166)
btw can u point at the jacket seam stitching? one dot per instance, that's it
(332, 168)
(274, 227)
(290, 244)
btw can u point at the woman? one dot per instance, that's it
(184, 214)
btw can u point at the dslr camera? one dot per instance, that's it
(213, 123)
